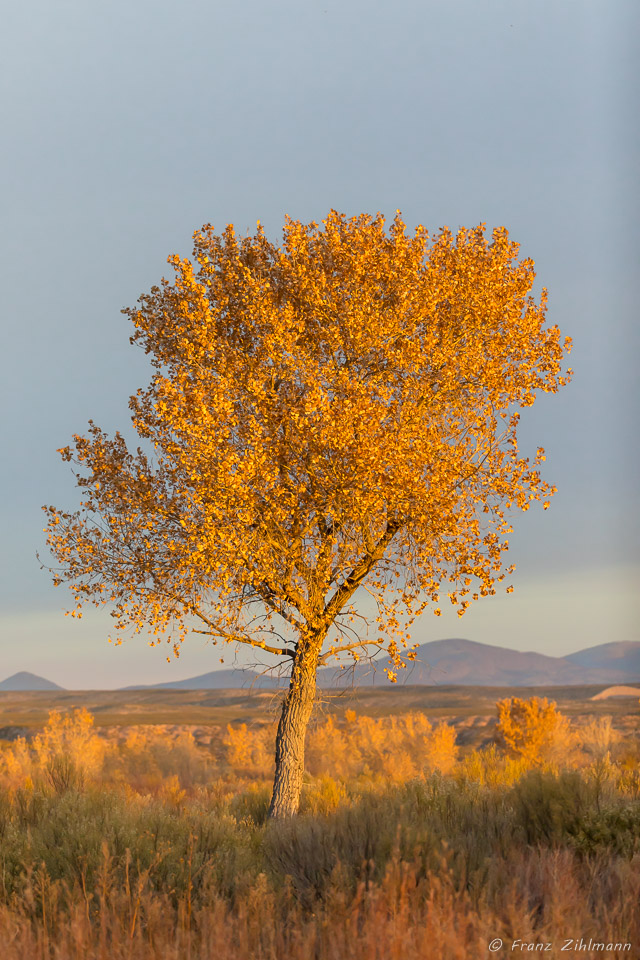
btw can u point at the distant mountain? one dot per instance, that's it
(28, 681)
(442, 662)
(623, 657)
(453, 661)
(465, 662)
(216, 680)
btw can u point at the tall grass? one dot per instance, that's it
(542, 897)
(163, 850)
(423, 870)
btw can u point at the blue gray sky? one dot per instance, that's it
(128, 125)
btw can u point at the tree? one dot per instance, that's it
(532, 729)
(336, 413)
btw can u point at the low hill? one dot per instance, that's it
(623, 657)
(232, 679)
(459, 661)
(452, 661)
(617, 692)
(28, 681)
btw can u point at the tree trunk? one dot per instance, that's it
(292, 728)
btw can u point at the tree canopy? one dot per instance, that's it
(334, 413)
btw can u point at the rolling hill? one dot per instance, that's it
(232, 679)
(458, 661)
(28, 681)
(622, 656)
(453, 661)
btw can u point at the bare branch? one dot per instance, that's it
(217, 631)
(346, 590)
(239, 638)
(334, 651)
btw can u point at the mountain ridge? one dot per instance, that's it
(24, 680)
(457, 661)
(618, 651)
(229, 679)
(450, 661)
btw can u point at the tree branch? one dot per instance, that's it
(358, 574)
(217, 631)
(238, 638)
(350, 646)
(268, 596)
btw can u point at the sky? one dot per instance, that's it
(127, 126)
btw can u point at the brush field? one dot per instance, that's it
(459, 705)
(133, 825)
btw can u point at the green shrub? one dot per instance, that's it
(549, 807)
(252, 804)
(615, 830)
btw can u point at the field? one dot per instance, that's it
(457, 704)
(133, 825)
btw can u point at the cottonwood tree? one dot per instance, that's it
(332, 415)
(532, 729)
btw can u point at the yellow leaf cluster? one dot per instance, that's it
(396, 748)
(64, 754)
(532, 729)
(336, 412)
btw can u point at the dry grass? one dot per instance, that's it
(152, 845)
(121, 708)
(543, 896)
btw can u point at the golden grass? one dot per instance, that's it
(151, 845)
(539, 897)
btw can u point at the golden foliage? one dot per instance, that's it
(396, 748)
(69, 752)
(151, 756)
(336, 410)
(597, 737)
(167, 761)
(323, 796)
(533, 729)
(155, 760)
(64, 754)
(249, 752)
(393, 748)
(491, 767)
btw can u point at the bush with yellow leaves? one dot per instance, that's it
(152, 755)
(396, 748)
(533, 730)
(392, 748)
(597, 738)
(66, 754)
(490, 767)
(249, 752)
